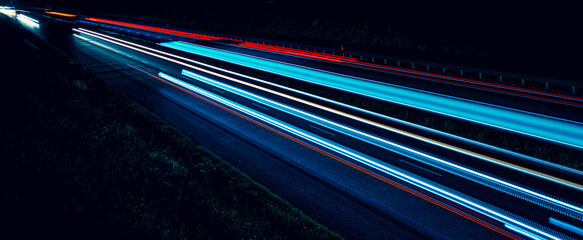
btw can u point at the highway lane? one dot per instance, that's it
(543, 165)
(142, 57)
(323, 168)
(533, 164)
(491, 149)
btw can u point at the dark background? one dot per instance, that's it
(536, 37)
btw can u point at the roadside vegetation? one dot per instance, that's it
(82, 161)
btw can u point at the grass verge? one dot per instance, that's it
(82, 161)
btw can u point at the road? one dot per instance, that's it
(363, 174)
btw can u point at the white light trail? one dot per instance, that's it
(27, 20)
(9, 11)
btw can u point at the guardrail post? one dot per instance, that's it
(444, 70)
(385, 61)
(412, 65)
(461, 73)
(522, 81)
(372, 59)
(428, 67)
(573, 89)
(500, 77)
(398, 63)
(361, 58)
(480, 76)
(547, 85)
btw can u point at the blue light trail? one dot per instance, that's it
(490, 211)
(472, 175)
(567, 226)
(544, 127)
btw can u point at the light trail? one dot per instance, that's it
(557, 130)
(567, 226)
(383, 168)
(524, 232)
(426, 185)
(26, 20)
(496, 183)
(24, 17)
(382, 126)
(61, 14)
(493, 87)
(291, 51)
(437, 143)
(352, 61)
(499, 88)
(9, 11)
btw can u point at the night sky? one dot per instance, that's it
(520, 20)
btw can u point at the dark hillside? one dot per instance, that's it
(80, 160)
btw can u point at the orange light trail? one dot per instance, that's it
(62, 14)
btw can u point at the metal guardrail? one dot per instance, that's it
(507, 78)
(500, 77)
